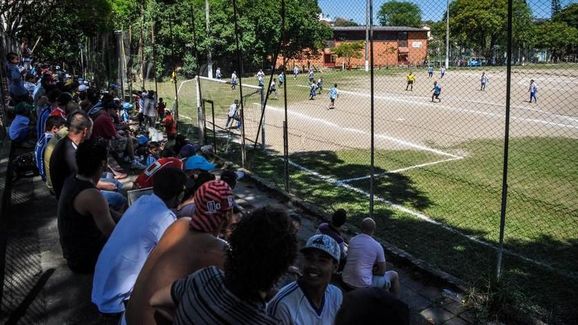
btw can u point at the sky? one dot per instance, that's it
(431, 9)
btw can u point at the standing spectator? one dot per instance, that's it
(170, 125)
(410, 80)
(442, 72)
(365, 266)
(53, 125)
(263, 245)
(234, 80)
(134, 237)
(232, 114)
(311, 299)
(149, 110)
(161, 106)
(218, 73)
(16, 87)
(188, 245)
(84, 220)
(430, 71)
(533, 91)
(437, 90)
(333, 95)
(483, 81)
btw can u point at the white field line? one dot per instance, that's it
(227, 82)
(353, 130)
(348, 180)
(450, 108)
(184, 82)
(425, 218)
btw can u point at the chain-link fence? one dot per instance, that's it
(459, 137)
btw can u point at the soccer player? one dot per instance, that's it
(430, 71)
(442, 72)
(333, 94)
(483, 81)
(295, 72)
(311, 75)
(437, 90)
(273, 89)
(218, 73)
(312, 91)
(533, 91)
(410, 80)
(281, 78)
(319, 85)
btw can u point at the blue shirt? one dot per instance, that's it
(19, 131)
(333, 93)
(39, 152)
(16, 84)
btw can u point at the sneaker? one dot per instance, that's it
(137, 165)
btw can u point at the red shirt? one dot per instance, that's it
(103, 127)
(145, 179)
(170, 125)
(57, 111)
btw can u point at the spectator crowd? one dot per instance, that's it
(173, 245)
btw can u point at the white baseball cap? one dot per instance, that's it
(324, 243)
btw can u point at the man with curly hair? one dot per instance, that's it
(262, 247)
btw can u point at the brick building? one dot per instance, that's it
(392, 45)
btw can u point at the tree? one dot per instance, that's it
(557, 37)
(349, 50)
(344, 22)
(481, 24)
(399, 13)
(569, 15)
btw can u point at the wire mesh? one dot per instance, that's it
(440, 101)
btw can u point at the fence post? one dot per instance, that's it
(506, 142)
(372, 163)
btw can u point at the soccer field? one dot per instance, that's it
(438, 165)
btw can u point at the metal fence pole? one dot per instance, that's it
(372, 99)
(506, 141)
(240, 68)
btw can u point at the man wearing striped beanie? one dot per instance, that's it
(188, 245)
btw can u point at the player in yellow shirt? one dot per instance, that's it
(410, 80)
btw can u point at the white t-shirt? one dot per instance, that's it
(232, 110)
(124, 254)
(291, 306)
(363, 253)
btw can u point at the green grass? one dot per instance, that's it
(466, 195)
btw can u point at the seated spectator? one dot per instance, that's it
(19, 130)
(134, 237)
(198, 170)
(104, 129)
(53, 125)
(311, 299)
(263, 245)
(372, 306)
(61, 134)
(365, 266)
(154, 149)
(189, 150)
(167, 159)
(333, 229)
(62, 161)
(84, 220)
(188, 245)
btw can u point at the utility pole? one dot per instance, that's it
(209, 57)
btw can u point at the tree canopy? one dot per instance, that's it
(344, 22)
(349, 50)
(399, 13)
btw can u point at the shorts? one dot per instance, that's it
(382, 281)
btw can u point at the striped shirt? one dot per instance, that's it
(291, 307)
(202, 298)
